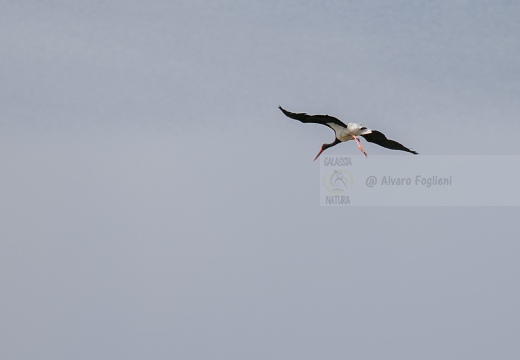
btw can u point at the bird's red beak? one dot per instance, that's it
(321, 150)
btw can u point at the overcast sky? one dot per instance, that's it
(155, 203)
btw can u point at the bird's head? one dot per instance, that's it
(326, 146)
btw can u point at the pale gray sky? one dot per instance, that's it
(156, 204)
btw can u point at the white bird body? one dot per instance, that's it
(345, 133)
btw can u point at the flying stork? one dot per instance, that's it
(347, 132)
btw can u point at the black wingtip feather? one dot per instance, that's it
(380, 139)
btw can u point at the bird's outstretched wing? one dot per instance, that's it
(315, 119)
(380, 139)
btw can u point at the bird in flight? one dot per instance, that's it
(347, 132)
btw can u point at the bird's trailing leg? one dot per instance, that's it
(359, 145)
